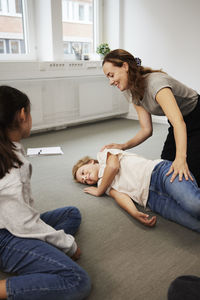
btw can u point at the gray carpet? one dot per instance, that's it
(124, 259)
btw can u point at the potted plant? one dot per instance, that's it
(103, 49)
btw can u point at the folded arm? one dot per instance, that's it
(111, 169)
(125, 202)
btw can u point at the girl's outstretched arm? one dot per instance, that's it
(127, 204)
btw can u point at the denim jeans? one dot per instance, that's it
(44, 272)
(178, 201)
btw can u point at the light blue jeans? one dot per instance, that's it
(44, 272)
(178, 201)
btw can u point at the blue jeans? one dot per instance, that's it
(44, 272)
(178, 201)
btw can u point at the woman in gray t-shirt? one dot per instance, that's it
(156, 93)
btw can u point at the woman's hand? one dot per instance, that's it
(179, 168)
(112, 146)
(144, 219)
(77, 254)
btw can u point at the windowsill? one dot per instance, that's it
(15, 58)
(16, 70)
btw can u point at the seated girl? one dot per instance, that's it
(39, 248)
(127, 176)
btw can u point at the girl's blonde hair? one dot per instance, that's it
(83, 161)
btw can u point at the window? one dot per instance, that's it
(7, 5)
(22, 20)
(10, 7)
(16, 30)
(90, 14)
(2, 46)
(67, 48)
(12, 27)
(14, 46)
(18, 6)
(77, 17)
(75, 11)
(81, 12)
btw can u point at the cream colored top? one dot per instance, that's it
(134, 174)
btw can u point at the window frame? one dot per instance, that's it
(30, 19)
(9, 9)
(73, 16)
(28, 34)
(18, 44)
(97, 29)
(4, 45)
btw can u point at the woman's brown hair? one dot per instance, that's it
(136, 72)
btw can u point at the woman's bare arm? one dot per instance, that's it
(144, 133)
(168, 103)
(146, 128)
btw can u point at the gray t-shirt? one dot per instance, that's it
(186, 97)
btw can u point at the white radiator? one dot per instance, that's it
(67, 101)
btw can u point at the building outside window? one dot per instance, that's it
(14, 46)
(81, 13)
(2, 46)
(18, 6)
(12, 39)
(77, 17)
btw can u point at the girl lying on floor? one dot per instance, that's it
(127, 176)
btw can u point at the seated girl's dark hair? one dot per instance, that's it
(11, 102)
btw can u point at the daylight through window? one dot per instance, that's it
(12, 39)
(77, 17)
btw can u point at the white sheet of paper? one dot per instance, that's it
(44, 151)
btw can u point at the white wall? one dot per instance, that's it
(64, 94)
(165, 34)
